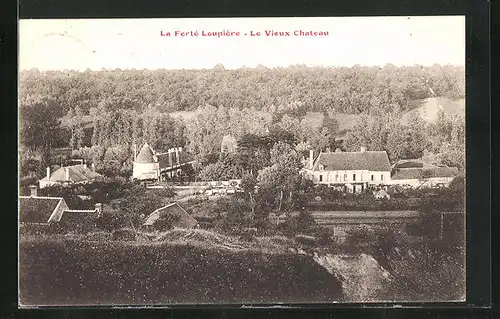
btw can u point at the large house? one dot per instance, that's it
(349, 171)
(69, 175)
(150, 165)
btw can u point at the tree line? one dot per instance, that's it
(348, 90)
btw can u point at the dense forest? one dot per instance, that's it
(100, 115)
(346, 90)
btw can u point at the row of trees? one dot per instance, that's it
(441, 142)
(349, 90)
(124, 127)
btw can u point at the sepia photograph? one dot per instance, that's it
(241, 161)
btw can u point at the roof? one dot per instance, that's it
(78, 216)
(34, 209)
(77, 173)
(164, 161)
(418, 173)
(348, 161)
(145, 155)
(412, 163)
(180, 217)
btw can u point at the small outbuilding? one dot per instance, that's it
(170, 216)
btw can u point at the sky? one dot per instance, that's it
(80, 44)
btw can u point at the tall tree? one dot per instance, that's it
(39, 121)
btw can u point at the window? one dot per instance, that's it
(336, 177)
(373, 177)
(320, 178)
(353, 177)
(345, 177)
(381, 177)
(361, 177)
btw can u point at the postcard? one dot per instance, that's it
(241, 161)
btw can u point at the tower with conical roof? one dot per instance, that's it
(145, 165)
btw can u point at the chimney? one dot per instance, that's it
(170, 158)
(177, 156)
(311, 158)
(93, 167)
(98, 209)
(66, 171)
(363, 148)
(33, 190)
(84, 165)
(135, 152)
(48, 172)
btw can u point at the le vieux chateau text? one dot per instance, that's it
(229, 33)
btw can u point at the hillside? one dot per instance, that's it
(428, 109)
(166, 273)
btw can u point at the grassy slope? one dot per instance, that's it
(428, 109)
(72, 272)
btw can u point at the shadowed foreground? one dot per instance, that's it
(68, 272)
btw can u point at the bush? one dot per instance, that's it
(426, 273)
(236, 215)
(297, 223)
(323, 234)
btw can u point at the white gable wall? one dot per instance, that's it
(145, 170)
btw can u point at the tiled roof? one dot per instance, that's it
(145, 155)
(412, 163)
(348, 161)
(78, 216)
(164, 161)
(418, 173)
(182, 219)
(37, 209)
(77, 173)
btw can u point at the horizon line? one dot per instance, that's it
(243, 67)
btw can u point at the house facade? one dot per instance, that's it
(150, 165)
(349, 171)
